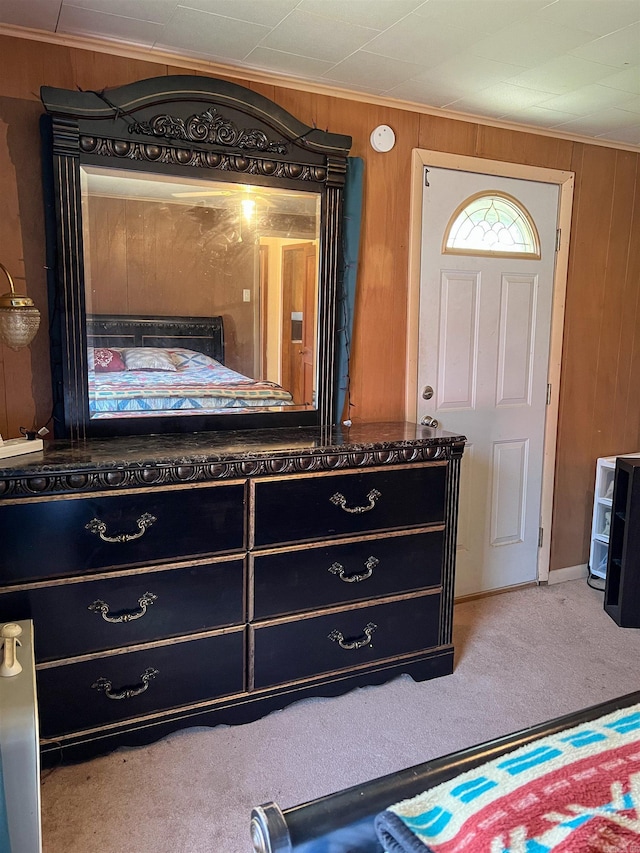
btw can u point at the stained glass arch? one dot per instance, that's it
(492, 223)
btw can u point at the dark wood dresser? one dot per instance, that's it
(213, 577)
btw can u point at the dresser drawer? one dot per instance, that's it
(117, 687)
(350, 638)
(64, 536)
(125, 609)
(312, 578)
(318, 507)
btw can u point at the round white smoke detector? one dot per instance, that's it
(382, 138)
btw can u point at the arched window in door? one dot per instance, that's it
(492, 223)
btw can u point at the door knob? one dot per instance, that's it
(428, 421)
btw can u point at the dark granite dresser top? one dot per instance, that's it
(115, 463)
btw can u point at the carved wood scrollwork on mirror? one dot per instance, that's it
(194, 250)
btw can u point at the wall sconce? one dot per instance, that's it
(19, 318)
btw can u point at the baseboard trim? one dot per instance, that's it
(488, 592)
(569, 573)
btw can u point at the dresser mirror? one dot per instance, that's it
(194, 259)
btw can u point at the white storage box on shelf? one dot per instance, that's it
(601, 522)
(19, 751)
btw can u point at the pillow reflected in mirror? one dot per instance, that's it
(147, 358)
(105, 360)
(188, 359)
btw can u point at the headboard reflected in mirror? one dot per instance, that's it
(194, 248)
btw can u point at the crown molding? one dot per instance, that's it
(255, 75)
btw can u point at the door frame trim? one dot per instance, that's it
(422, 157)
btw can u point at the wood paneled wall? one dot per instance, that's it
(141, 261)
(599, 403)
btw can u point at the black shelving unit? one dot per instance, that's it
(622, 590)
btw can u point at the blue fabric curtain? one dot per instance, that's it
(347, 281)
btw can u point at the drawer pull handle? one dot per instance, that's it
(105, 686)
(338, 569)
(340, 500)
(100, 529)
(338, 637)
(144, 601)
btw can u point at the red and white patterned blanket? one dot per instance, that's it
(577, 791)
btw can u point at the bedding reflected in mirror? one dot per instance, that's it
(201, 296)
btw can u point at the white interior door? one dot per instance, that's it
(484, 350)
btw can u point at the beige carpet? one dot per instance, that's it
(522, 657)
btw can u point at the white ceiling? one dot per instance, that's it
(568, 65)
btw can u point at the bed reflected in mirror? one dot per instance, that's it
(201, 296)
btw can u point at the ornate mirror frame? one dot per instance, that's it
(194, 127)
